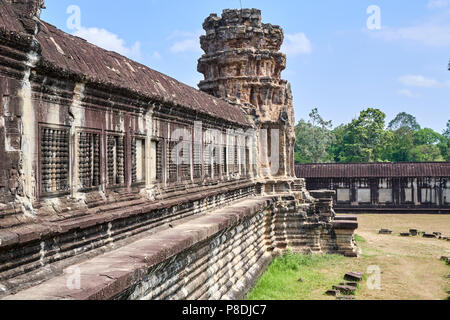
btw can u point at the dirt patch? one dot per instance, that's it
(410, 267)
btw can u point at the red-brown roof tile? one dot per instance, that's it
(73, 55)
(373, 170)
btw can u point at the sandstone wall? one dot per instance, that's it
(222, 267)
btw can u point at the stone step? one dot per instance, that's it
(333, 293)
(344, 289)
(354, 276)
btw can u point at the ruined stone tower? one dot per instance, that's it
(27, 8)
(242, 64)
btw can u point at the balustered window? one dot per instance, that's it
(242, 159)
(89, 159)
(207, 160)
(54, 160)
(230, 158)
(216, 161)
(224, 161)
(185, 156)
(236, 158)
(156, 155)
(247, 161)
(137, 160)
(173, 161)
(198, 161)
(115, 160)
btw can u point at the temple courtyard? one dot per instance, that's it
(410, 268)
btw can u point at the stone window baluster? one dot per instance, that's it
(54, 160)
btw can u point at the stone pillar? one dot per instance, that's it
(416, 192)
(344, 230)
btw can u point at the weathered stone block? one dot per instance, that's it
(354, 276)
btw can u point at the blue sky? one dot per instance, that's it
(335, 62)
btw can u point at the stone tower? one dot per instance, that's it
(28, 8)
(242, 64)
(28, 12)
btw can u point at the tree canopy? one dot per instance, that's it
(368, 139)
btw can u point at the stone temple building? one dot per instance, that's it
(382, 187)
(119, 182)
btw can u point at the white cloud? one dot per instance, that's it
(185, 41)
(406, 93)
(437, 4)
(185, 45)
(156, 55)
(295, 44)
(422, 82)
(433, 35)
(109, 41)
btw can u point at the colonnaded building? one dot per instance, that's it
(119, 182)
(382, 187)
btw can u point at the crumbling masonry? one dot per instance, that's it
(119, 182)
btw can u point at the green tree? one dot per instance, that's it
(447, 130)
(337, 148)
(427, 153)
(444, 145)
(400, 145)
(363, 140)
(401, 132)
(426, 136)
(314, 139)
(429, 146)
(404, 120)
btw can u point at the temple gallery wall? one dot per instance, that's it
(146, 187)
(383, 187)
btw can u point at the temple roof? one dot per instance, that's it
(70, 55)
(373, 170)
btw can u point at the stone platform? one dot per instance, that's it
(230, 259)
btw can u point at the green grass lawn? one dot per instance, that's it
(281, 280)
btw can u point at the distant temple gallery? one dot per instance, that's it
(382, 187)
